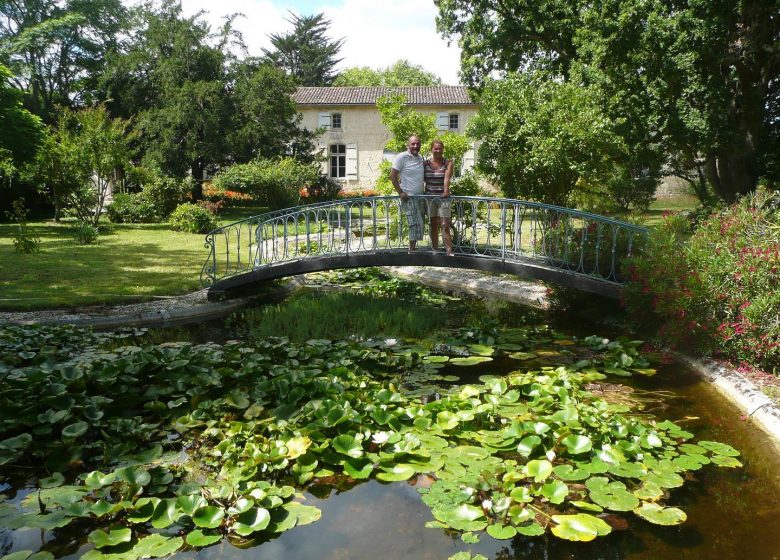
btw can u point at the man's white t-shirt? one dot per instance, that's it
(410, 172)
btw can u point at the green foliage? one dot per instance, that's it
(541, 137)
(85, 233)
(23, 132)
(671, 77)
(716, 289)
(79, 162)
(57, 49)
(272, 183)
(306, 52)
(401, 74)
(261, 416)
(24, 241)
(159, 196)
(192, 218)
(467, 184)
(132, 208)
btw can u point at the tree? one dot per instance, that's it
(401, 73)
(56, 48)
(402, 121)
(172, 76)
(81, 161)
(306, 52)
(693, 83)
(23, 132)
(542, 137)
(265, 122)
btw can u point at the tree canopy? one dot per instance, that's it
(23, 132)
(306, 52)
(692, 82)
(401, 73)
(56, 48)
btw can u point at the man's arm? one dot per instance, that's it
(397, 184)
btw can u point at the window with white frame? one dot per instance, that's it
(338, 161)
(329, 121)
(448, 121)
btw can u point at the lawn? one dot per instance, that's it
(129, 263)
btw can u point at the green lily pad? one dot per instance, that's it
(501, 532)
(726, 461)
(156, 546)
(581, 527)
(528, 444)
(253, 520)
(522, 356)
(587, 506)
(209, 517)
(297, 446)
(52, 481)
(133, 475)
(531, 530)
(555, 491)
(719, 448)
(199, 538)
(240, 506)
(469, 538)
(358, 468)
(569, 473)
(29, 555)
(539, 469)
(519, 514)
(190, 504)
(77, 429)
(470, 361)
(347, 445)
(113, 537)
(576, 444)
(659, 515)
(396, 473)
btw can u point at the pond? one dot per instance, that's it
(731, 510)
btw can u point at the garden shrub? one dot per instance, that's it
(324, 188)
(715, 289)
(192, 218)
(133, 208)
(166, 193)
(24, 241)
(272, 183)
(85, 233)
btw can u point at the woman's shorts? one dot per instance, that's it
(439, 208)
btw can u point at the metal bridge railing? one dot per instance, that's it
(495, 228)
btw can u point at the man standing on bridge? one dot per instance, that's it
(407, 178)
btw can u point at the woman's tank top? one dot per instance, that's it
(434, 178)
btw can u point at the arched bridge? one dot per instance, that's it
(551, 243)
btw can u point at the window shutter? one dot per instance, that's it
(443, 121)
(322, 151)
(468, 160)
(352, 156)
(324, 120)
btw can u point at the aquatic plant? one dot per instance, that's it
(152, 449)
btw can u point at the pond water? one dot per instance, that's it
(732, 513)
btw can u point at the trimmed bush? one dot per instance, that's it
(192, 218)
(85, 233)
(715, 290)
(133, 209)
(272, 183)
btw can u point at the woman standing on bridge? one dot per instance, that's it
(438, 173)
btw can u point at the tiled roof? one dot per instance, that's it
(420, 95)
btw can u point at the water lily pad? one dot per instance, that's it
(304, 515)
(501, 532)
(481, 349)
(726, 461)
(143, 510)
(209, 517)
(649, 491)
(199, 538)
(469, 538)
(555, 491)
(470, 361)
(156, 546)
(576, 444)
(253, 520)
(29, 555)
(297, 446)
(519, 514)
(581, 527)
(659, 515)
(719, 448)
(112, 537)
(531, 530)
(77, 429)
(347, 445)
(447, 420)
(539, 469)
(567, 472)
(56, 479)
(133, 475)
(358, 468)
(396, 473)
(190, 504)
(587, 506)
(528, 444)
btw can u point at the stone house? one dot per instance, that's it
(353, 144)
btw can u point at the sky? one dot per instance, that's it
(376, 32)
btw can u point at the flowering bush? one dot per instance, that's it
(717, 288)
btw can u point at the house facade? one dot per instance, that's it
(354, 140)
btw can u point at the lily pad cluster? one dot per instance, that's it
(158, 448)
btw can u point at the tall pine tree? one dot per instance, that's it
(306, 52)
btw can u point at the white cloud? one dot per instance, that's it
(376, 32)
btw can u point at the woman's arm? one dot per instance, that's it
(447, 178)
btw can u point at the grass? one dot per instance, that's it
(678, 203)
(129, 263)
